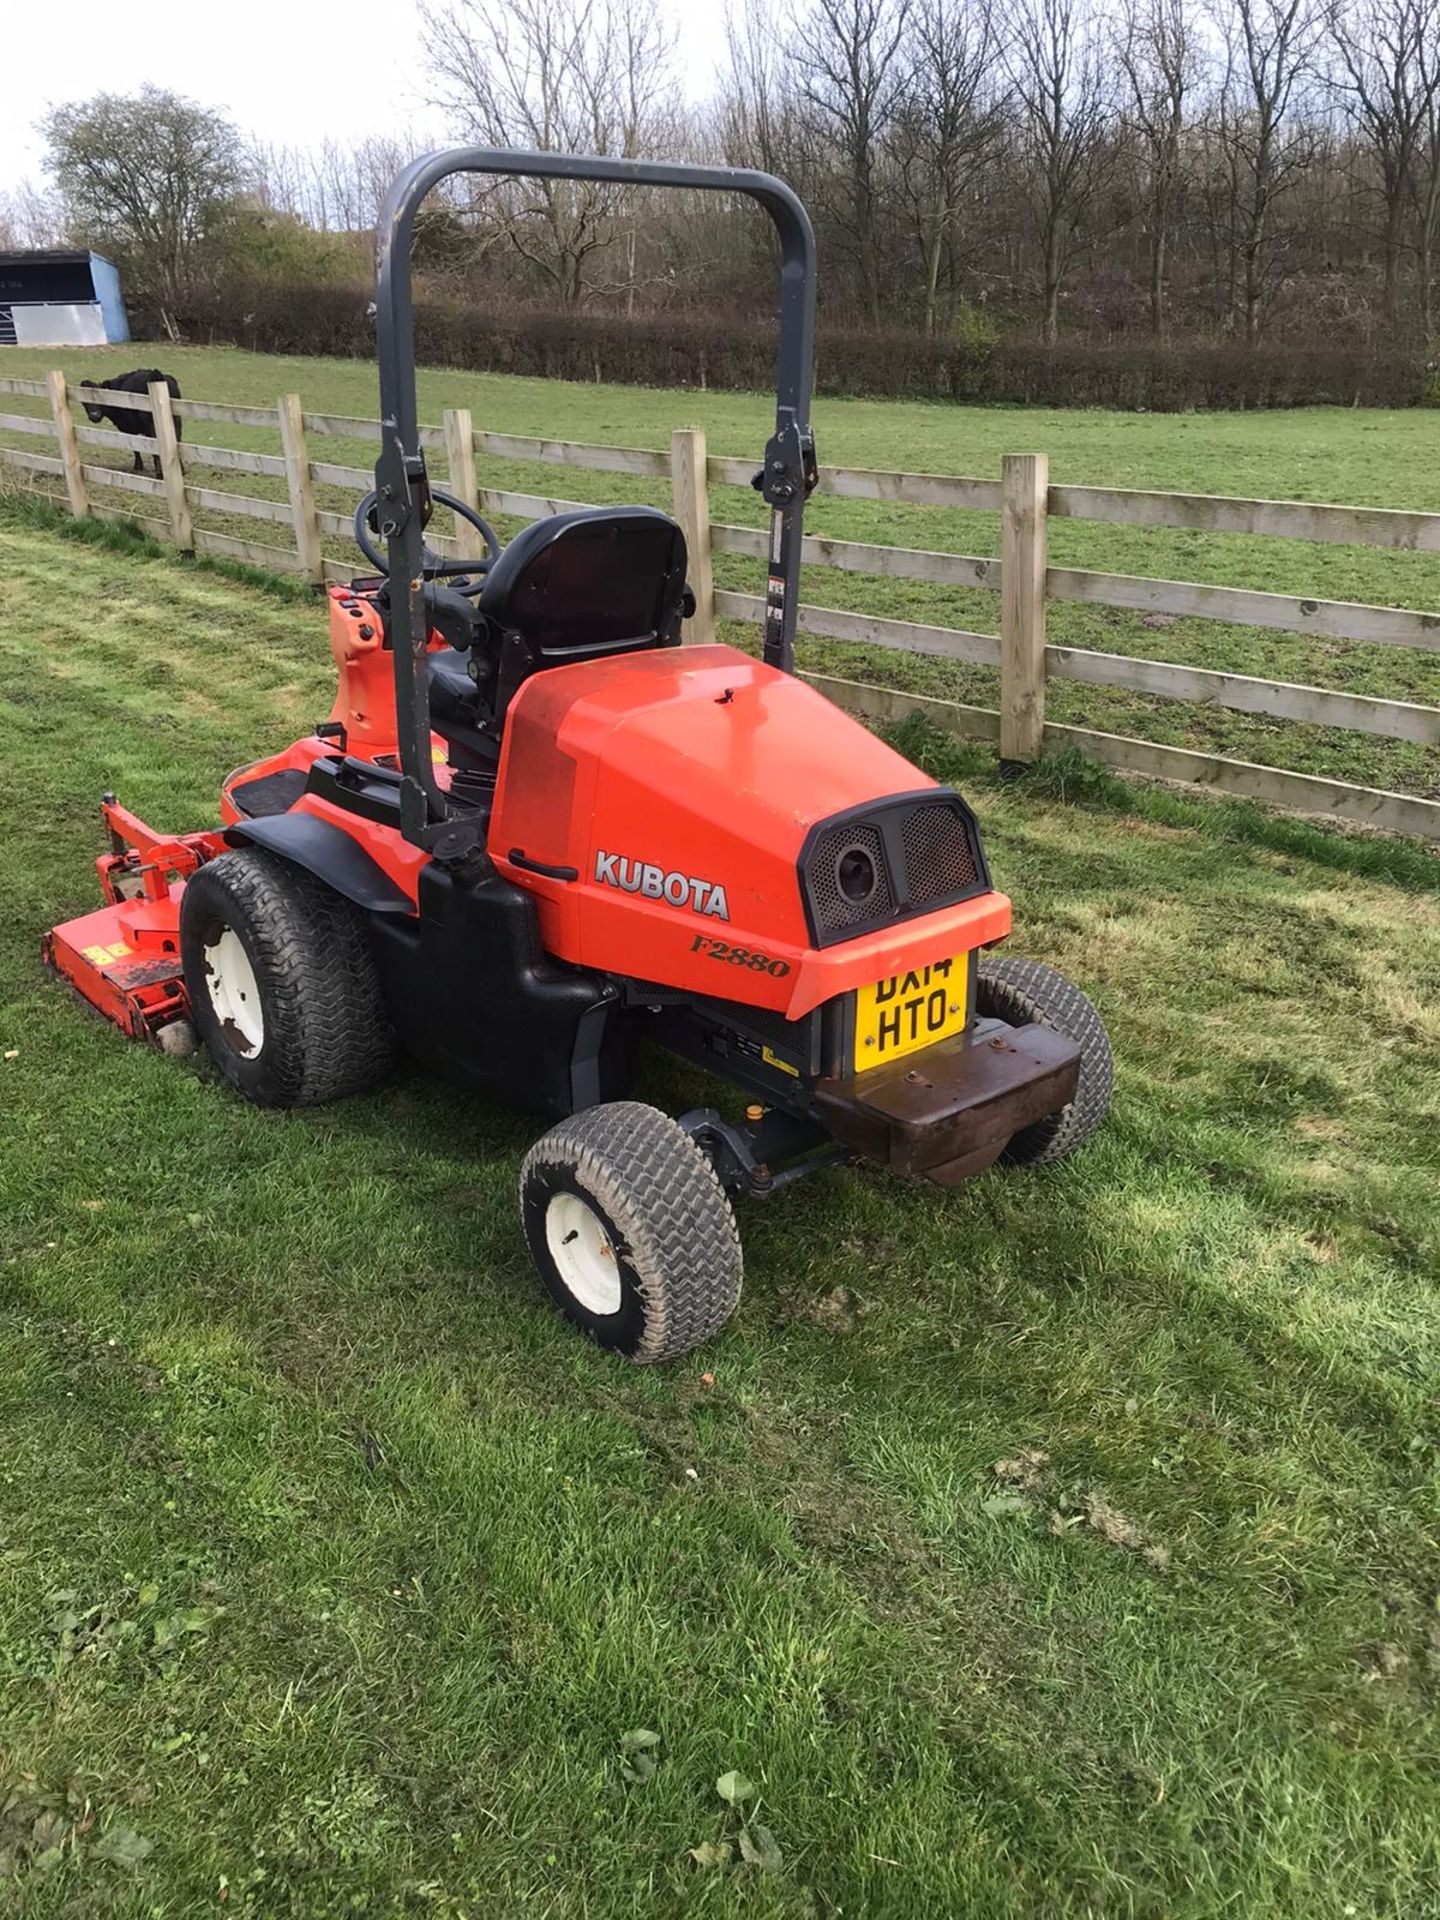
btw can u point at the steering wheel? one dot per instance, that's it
(433, 566)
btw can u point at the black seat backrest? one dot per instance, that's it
(585, 584)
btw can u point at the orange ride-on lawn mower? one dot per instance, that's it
(536, 832)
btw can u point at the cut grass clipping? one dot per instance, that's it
(1058, 1546)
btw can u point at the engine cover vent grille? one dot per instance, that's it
(888, 862)
(836, 911)
(940, 854)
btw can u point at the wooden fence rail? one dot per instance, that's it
(1021, 577)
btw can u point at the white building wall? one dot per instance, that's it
(82, 325)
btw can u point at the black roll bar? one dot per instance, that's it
(400, 478)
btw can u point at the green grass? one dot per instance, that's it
(1357, 457)
(335, 1568)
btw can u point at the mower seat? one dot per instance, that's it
(575, 586)
(452, 691)
(582, 586)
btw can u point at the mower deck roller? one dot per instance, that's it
(535, 834)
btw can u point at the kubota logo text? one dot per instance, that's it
(676, 889)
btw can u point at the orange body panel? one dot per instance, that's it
(395, 856)
(679, 787)
(365, 670)
(365, 676)
(301, 755)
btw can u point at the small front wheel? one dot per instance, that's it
(630, 1231)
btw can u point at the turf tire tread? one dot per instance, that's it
(1025, 992)
(662, 1191)
(324, 1011)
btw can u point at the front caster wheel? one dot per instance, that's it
(1028, 993)
(631, 1231)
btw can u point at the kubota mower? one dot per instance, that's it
(536, 832)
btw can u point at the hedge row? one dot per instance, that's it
(699, 351)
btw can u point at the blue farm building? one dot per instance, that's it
(60, 297)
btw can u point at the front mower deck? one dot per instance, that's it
(124, 957)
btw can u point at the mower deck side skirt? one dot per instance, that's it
(950, 1111)
(96, 955)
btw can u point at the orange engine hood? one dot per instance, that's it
(669, 794)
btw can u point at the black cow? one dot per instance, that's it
(127, 419)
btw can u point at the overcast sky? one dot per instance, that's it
(283, 70)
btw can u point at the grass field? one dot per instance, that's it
(1356, 457)
(334, 1570)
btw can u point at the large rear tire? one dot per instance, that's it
(1028, 993)
(630, 1231)
(282, 982)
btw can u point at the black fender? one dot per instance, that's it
(327, 851)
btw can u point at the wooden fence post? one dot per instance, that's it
(460, 459)
(302, 487)
(1024, 496)
(690, 498)
(171, 470)
(70, 457)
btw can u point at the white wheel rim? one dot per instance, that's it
(586, 1261)
(233, 992)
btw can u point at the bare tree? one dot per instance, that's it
(1386, 73)
(1155, 43)
(278, 179)
(642, 48)
(335, 188)
(580, 76)
(30, 216)
(1270, 49)
(1426, 194)
(764, 119)
(756, 106)
(948, 126)
(1056, 64)
(757, 118)
(848, 55)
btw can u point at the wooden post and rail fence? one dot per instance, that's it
(1023, 499)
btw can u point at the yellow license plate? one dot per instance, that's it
(909, 1011)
